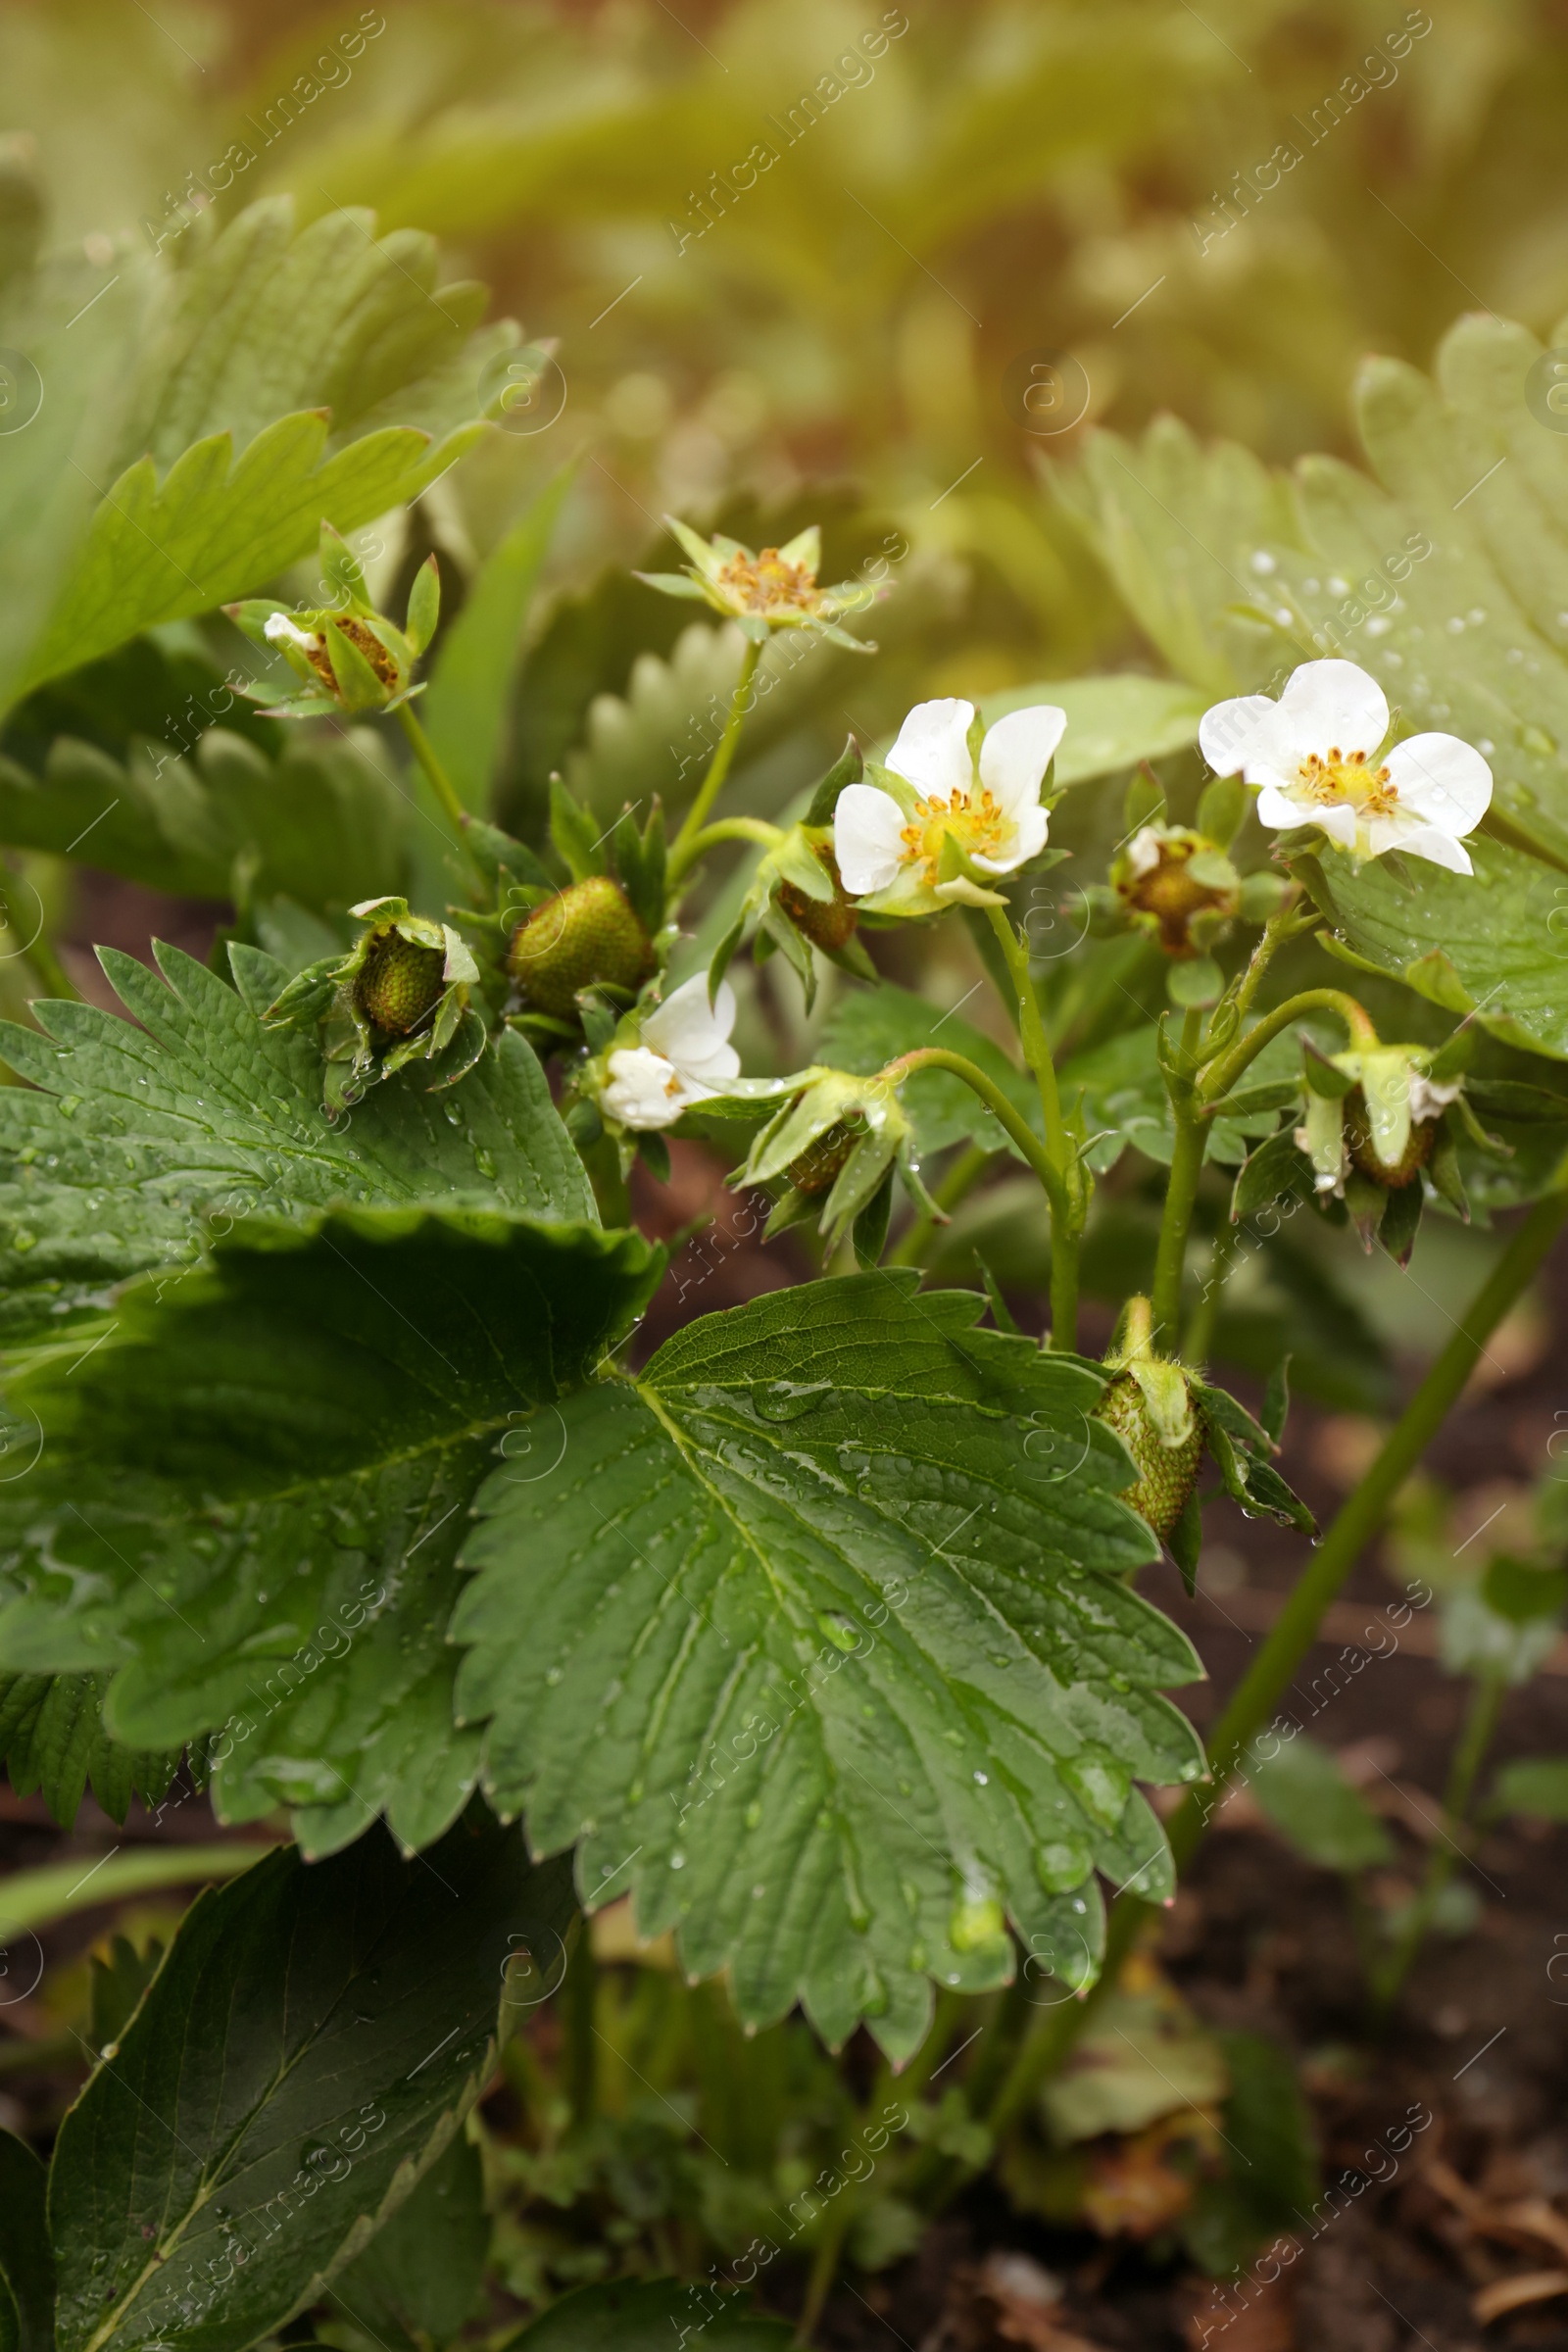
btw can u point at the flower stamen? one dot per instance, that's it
(770, 583)
(1341, 781)
(977, 821)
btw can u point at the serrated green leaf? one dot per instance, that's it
(416, 2284)
(1125, 1099)
(26, 2258)
(201, 1110)
(814, 1636)
(321, 823)
(263, 1473)
(203, 421)
(470, 689)
(52, 1739)
(310, 2043)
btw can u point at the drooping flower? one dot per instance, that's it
(683, 1056)
(1317, 755)
(945, 812)
(348, 657)
(774, 590)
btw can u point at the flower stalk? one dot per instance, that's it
(685, 850)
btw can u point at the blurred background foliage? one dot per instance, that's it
(993, 181)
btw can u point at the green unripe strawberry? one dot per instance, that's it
(1358, 1138)
(1166, 1474)
(398, 983)
(586, 933)
(826, 922)
(819, 1164)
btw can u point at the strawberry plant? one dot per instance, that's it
(348, 1482)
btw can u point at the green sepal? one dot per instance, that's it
(341, 570)
(307, 994)
(358, 685)
(1184, 1542)
(1321, 1074)
(724, 954)
(848, 769)
(1444, 1169)
(1242, 1449)
(1001, 1313)
(1276, 1401)
(1222, 810)
(640, 861)
(425, 606)
(1145, 803)
(498, 856)
(654, 1153)
(573, 834)
(870, 1232)
(1401, 1221)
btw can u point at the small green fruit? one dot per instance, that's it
(818, 1164)
(826, 922)
(1358, 1138)
(587, 933)
(398, 983)
(1166, 1474)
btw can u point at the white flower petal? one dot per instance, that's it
(867, 829)
(1441, 780)
(1143, 851)
(1276, 808)
(280, 630)
(694, 1036)
(644, 1089)
(932, 751)
(1228, 733)
(1028, 840)
(1338, 821)
(1017, 753)
(1438, 849)
(1332, 705)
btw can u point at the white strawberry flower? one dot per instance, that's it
(684, 1058)
(892, 836)
(1316, 755)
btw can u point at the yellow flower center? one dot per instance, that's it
(766, 583)
(976, 820)
(1337, 779)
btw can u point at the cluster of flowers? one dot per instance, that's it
(954, 808)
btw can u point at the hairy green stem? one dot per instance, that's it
(1221, 1075)
(1181, 1195)
(683, 847)
(441, 784)
(938, 1058)
(1068, 1194)
(956, 1185)
(1297, 1627)
(1480, 1721)
(1287, 922)
(732, 829)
